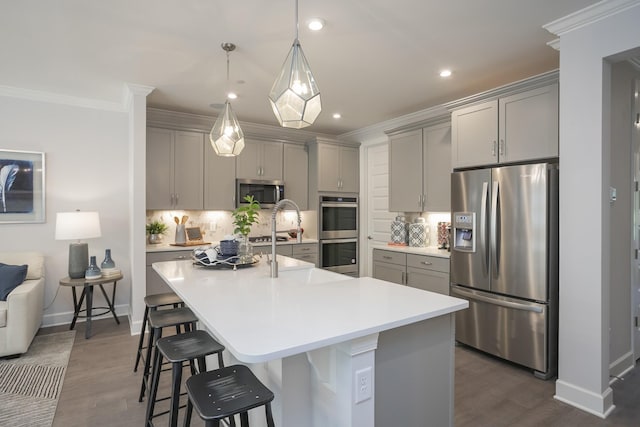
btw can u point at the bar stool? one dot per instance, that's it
(177, 349)
(225, 392)
(153, 302)
(158, 320)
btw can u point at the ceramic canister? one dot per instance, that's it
(418, 233)
(399, 230)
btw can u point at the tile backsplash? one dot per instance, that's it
(215, 225)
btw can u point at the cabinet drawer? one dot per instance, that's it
(312, 258)
(390, 257)
(167, 256)
(304, 249)
(428, 262)
(281, 250)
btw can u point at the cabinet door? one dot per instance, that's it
(405, 172)
(260, 160)
(328, 167)
(390, 272)
(271, 160)
(437, 168)
(428, 280)
(248, 163)
(529, 125)
(474, 135)
(189, 170)
(349, 169)
(285, 250)
(159, 171)
(219, 181)
(296, 175)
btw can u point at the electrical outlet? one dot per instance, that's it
(363, 385)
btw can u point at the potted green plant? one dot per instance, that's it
(155, 230)
(243, 218)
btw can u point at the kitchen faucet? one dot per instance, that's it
(276, 208)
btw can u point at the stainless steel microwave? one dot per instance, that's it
(267, 193)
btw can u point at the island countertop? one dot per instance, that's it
(259, 318)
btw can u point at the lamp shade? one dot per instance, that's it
(77, 225)
(227, 138)
(294, 96)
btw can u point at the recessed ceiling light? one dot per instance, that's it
(315, 24)
(336, 115)
(445, 73)
(232, 95)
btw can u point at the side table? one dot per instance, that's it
(87, 292)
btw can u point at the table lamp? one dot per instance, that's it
(76, 226)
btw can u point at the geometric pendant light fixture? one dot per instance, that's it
(226, 136)
(294, 96)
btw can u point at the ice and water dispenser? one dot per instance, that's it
(464, 224)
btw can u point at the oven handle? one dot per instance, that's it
(325, 241)
(339, 205)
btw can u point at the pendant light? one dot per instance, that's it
(227, 139)
(294, 96)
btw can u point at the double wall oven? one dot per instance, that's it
(338, 233)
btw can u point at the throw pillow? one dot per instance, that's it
(10, 277)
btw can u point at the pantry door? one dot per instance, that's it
(377, 202)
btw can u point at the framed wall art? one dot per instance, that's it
(21, 186)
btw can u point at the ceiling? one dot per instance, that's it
(374, 60)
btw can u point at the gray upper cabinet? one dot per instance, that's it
(296, 174)
(419, 170)
(219, 181)
(175, 169)
(260, 160)
(514, 128)
(338, 168)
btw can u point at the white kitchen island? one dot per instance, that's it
(335, 350)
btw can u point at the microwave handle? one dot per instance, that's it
(276, 194)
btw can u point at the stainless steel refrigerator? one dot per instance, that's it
(504, 261)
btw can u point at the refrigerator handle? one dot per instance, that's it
(494, 229)
(494, 301)
(484, 253)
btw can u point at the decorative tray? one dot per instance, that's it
(224, 263)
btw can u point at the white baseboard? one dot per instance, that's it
(620, 367)
(600, 405)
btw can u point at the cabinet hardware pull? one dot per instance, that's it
(387, 257)
(426, 263)
(501, 148)
(493, 149)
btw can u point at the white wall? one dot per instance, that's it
(86, 157)
(584, 204)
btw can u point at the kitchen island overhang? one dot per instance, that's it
(308, 333)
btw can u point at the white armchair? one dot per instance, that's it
(21, 314)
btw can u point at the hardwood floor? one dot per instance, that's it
(101, 389)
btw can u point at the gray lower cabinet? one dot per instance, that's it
(155, 284)
(419, 271)
(303, 251)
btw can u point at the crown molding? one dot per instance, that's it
(539, 80)
(177, 120)
(131, 89)
(635, 62)
(378, 131)
(554, 43)
(56, 98)
(589, 15)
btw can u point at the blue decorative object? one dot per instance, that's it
(108, 262)
(93, 271)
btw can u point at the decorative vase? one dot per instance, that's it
(154, 239)
(108, 262)
(181, 235)
(399, 230)
(418, 233)
(245, 250)
(93, 271)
